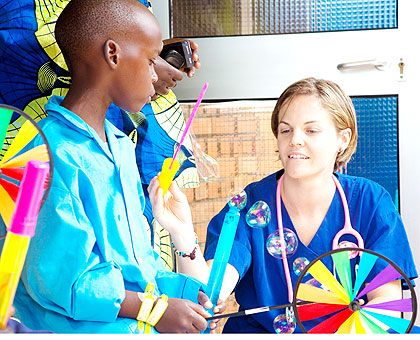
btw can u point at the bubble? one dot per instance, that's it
(273, 243)
(347, 244)
(207, 167)
(315, 283)
(238, 199)
(299, 265)
(284, 324)
(259, 215)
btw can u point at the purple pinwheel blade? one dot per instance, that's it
(387, 275)
(402, 305)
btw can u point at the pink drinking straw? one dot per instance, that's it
(197, 104)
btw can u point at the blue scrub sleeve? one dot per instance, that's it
(387, 235)
(240, 256)
(63, 271)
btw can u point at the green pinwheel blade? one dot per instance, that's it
(342, 266)
(374, 328)
(397, 324)
(5, 116)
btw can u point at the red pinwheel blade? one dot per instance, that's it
(11, 189)
(316, 310)
(15, 173)
(331, 325)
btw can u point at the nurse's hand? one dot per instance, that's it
(172, 212)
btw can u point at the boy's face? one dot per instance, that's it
(136, 74)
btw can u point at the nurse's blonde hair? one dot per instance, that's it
(333, 98)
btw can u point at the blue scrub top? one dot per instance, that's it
(90, 243)
(262, 280)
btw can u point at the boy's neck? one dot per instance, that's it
(90, 106)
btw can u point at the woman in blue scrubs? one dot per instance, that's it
(316, 130)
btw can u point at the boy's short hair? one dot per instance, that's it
(83, 22)
(333, 98)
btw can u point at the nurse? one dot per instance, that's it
(314, 122)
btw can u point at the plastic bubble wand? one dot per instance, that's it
(22, 228)
(171, 165)
(224, 248)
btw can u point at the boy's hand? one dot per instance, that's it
(204, 300)
(182, 316)
(172, 211)
(168, 76)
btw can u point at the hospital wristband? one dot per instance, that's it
(158, 310)
(146, 304)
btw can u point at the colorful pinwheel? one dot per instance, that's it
(338, 308)
(17, 129)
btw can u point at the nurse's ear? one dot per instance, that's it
(344, 139)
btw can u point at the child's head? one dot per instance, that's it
(112, 43)
(333, 99)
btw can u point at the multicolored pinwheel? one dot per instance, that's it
(338, 306)
(17, 129)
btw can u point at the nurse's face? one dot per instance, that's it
(307, 139)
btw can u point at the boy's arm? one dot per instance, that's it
(181, 316)
(83, 288)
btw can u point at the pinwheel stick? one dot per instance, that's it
(255, 310)
(171, 165)
(197, 104)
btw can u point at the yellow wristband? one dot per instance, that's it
(147, 303)
(158, 310)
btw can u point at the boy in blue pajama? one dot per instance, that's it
(91, 243)
(91, 254)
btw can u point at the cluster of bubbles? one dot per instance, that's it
(259, 216)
